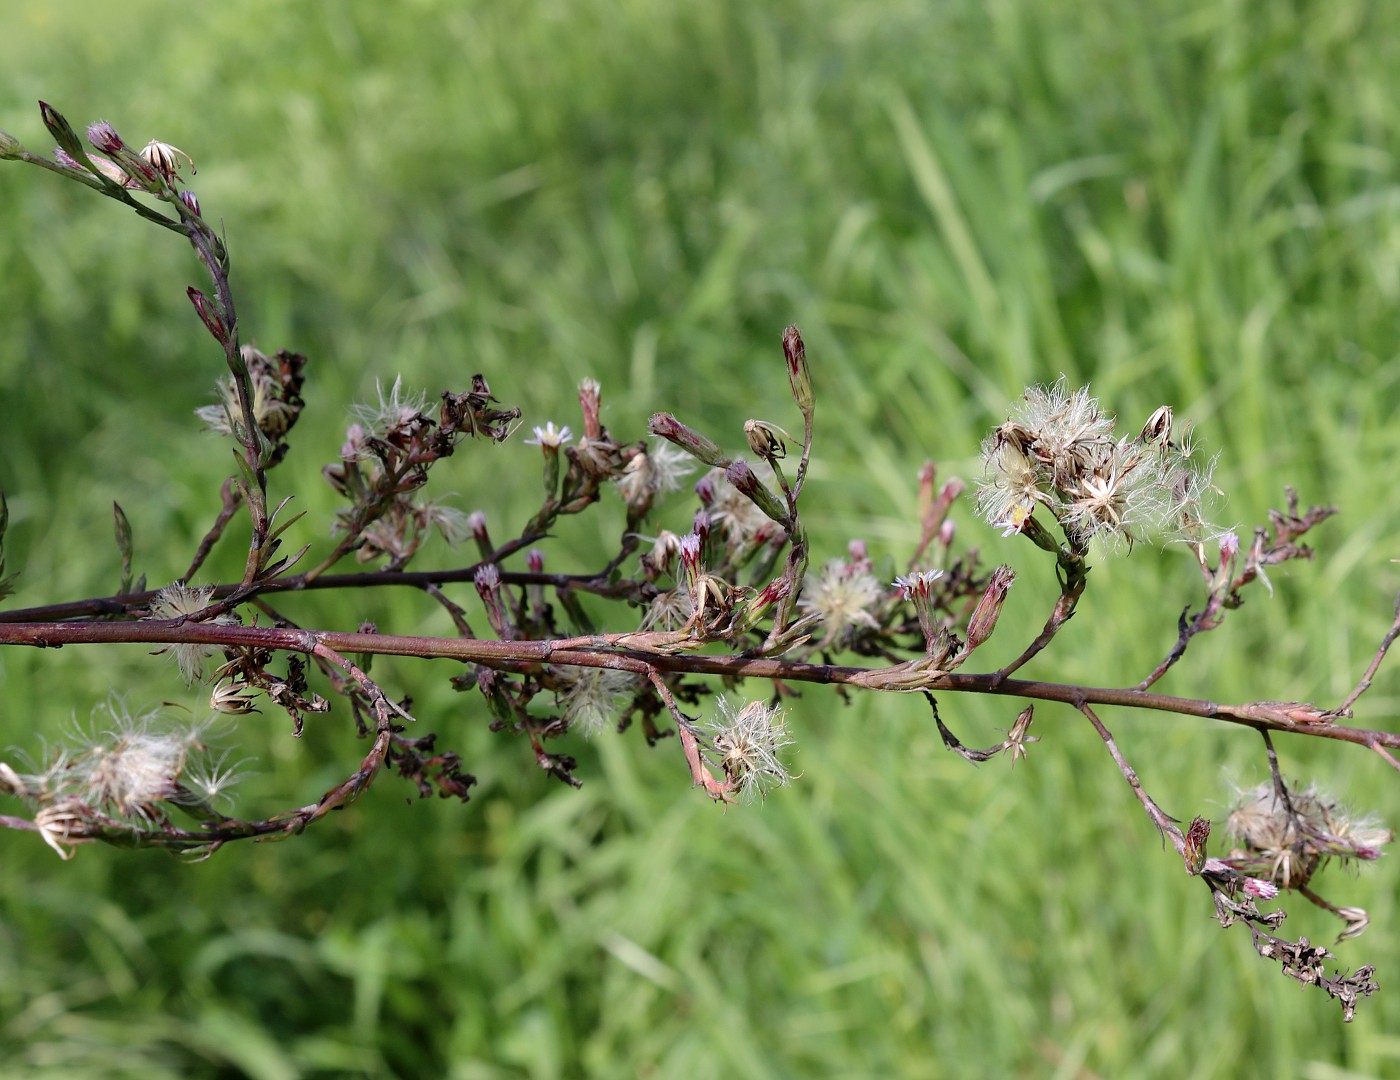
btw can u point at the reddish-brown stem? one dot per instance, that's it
(627, 652)
(231, 501)
(120, 604)
(1344, 709)
(1165, 825)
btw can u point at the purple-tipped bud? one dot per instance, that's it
(534, 561)
(701, 525)
(209, 313)
(705, 490)
(946, 532)
(488, 586)
(799, 377)
(104, 137)
(742, 477)
(61, 130)
(988, 610)
(692, 442)
(9, 146)
(64, 158)
(191, 202)
(760, 603)
(1224, 571)
(690, 554)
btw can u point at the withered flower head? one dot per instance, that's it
(165, 159)
(1058, 452)
(747, 742)
(1288, 848)
(179, 601)
(844, 595)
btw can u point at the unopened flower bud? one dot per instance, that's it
(701, 524)
(534, 561)
(742, 477)
(690, 554)
(946, 532)
(1225, 569)
(759, 604)
(488, 586)
(209, 313)
(191, 202)
(9, 146)
(104, 137)
(476, 525)
(799, 377)
(689, 440)
(61, 130)
(985, 615)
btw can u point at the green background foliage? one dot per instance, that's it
(1186, 204)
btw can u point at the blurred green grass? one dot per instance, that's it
(1195, 205)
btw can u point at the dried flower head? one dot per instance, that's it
(233, 698)
(593, 699)
(209, 780)
(400, 410)
(128, 767)
(276, 401)
(766, 439)
(844, 595)
(746, 743)
(179, 601)
(1287, 841)
(1057, 452)
(659, 471)
(165, 159)
(670, 610)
